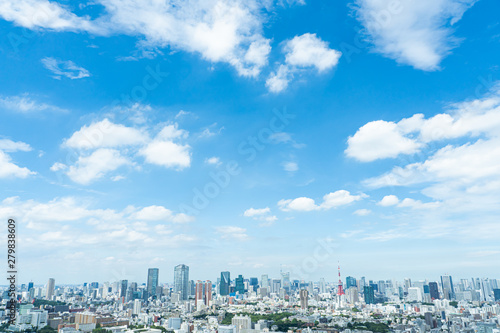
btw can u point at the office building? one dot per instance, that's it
(181, 281)
(433, 290)
(50, 289)
(369, 294)
(447, 285)
(153, 274)
(304, 295)
(239, 285)
(225, 282)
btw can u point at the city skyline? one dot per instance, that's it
(252, 137)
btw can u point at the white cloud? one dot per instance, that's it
(413, 32)
(213, 161)
(218, 30)
(251, 212)
(232, 233)
(308, 50)
(301, 52)
(290, 166)
(165, 152)
(26, 104)
(362, 212)
(35, 14)
(11, 170)
(96, 165)
(278, 81)
(330, 200)
(10, 146)
(126, 144)
(65, 68)
(461, 175)
(160, 213)
(105, 134)
(261, 214)
(389, 200)
(58, 166)
(379, 139)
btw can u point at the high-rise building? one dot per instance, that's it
(181, 281)
(198, 294)
(208, 292)
(350, 282)
(414, 294)
(225, 282)
(352, 295)
(137, 307)
(254, 282)
(369, 294)
(447, 285)
(285, 280)
(496, 294)
(241, 323)
(123, 288)
(433, 290)
(304, 295)
(50, 288)
(153, 274)
(239, 285)
(264, 281)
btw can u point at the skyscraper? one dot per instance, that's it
(369, 295)
(264, 281)
(181, 278)
(285, 280)
(123, 288)
(50, 288)
(153, 274)
(240, 286)
(433, 290)
(304, 294)
(447, 285)
(225, 281)
(350, 282)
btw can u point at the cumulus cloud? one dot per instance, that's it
(251, 212)
(96, 165)
(160, 213)
(380, 139)
(302, 52)
(415, 32)
(459, 175)
(389, 200)
(308, 50)
(217, 30)
(65, 68)
(10, 146)
(34, 14)
(8, 169)
(330, 200)
(104, 134)
(104, 146)
(165, 152)
(261, 214)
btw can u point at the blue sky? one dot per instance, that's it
(365, 132)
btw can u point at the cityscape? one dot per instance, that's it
(235, 304)
(250, 166)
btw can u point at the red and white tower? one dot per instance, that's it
(340, 290)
